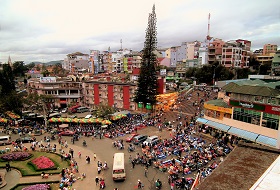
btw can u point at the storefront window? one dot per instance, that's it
(270, 121)
(248, 116)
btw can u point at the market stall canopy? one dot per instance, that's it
(12, 115)
(119, 115)
(3, 120)
(82, 120)
(106, 122)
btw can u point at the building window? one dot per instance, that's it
(272, 101)
(248, 116)
(270, 121)
(259, 99)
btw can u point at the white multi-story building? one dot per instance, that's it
(76, 62)
(203, 53)
(236, 53)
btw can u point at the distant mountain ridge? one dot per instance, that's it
(47, 63)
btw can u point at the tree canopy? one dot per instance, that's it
(147, 81)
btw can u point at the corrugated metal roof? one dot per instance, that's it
(218, 102)
(258, 88)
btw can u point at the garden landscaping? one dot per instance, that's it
(33, 163)
(37, 187)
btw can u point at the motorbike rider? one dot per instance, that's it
(131, 148)
(84, 143)
(102, 184)
(158, 184)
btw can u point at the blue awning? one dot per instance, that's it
(219, 126)
(201, 120)
(266, 140)
(243, 134)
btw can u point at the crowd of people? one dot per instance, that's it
(182, 155)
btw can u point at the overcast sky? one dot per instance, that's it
(46, 30)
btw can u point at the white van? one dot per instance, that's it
(152, 140)
(82, 109)
(5, 140)
(118, 172)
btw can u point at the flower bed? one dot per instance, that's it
(16, 156)
(42, 163)
(38, 187)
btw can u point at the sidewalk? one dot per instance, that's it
(28, 179)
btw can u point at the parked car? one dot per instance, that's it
(153, 140)
(130, 137)
(82, 109)
(25, 140)
(64, 110)
(67, 133)
(139, 139)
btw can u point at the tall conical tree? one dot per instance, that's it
(147, 81)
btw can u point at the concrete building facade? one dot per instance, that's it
(249, 109)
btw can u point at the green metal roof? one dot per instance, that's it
(253, 87)
(218, 102)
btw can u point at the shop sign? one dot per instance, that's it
(272, 109)
(247, 105)
(217, 108)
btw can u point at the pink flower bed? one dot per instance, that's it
(43, 162)
(38, 187)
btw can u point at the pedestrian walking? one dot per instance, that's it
(96, 180)
(133, 163)
(146, 172)
(8, 167)
(98, 169)
(94, 156)
(172, 185)
(71, 151)
(130, 159)
(79, 154)
(139, 184)
(88, 159)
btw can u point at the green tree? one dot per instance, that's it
(264, 69)
(57, 68)
(191, 72)
(19, 69)
(40, 102)
(242, 73)
(11, 102)
(147, 81)
(254, 63)
(30, 65)
(7, 80)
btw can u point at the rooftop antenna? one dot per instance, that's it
(121, 43)
(208, 29)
